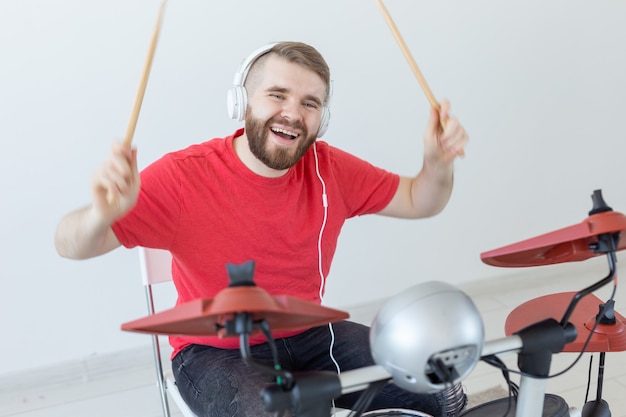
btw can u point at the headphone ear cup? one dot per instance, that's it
(237, 97)
(236, 102)
(324, 122)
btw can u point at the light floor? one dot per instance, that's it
(124, 384)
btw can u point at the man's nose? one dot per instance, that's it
(291, 110)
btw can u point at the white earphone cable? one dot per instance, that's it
(319, 252)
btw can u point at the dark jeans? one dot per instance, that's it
(217, 383)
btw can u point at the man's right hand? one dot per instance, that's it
(87, 232)
(115, 186)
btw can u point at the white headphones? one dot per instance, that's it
(237, 98)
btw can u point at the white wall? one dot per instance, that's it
(539, 86)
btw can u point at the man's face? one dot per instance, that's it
(284, 113)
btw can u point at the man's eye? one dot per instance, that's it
(276, 96)
(311, 105)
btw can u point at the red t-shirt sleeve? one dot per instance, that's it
(364, 188)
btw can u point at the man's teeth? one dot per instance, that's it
(285, 132)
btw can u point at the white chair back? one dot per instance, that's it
(156, 267)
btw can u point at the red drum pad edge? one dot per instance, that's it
(606, 337)
(568, 244)
(206, 317)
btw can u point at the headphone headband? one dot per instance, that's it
(246, 64)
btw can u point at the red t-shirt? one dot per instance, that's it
(208, 209)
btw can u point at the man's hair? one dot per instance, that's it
(297, 53)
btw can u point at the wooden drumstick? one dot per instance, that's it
(134, 115)
(132, 123)
(416, 71)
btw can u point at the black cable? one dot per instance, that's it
(588, 379)
(582, 351)
(495, 361)
(265, 328)
(366, 397)
(513, 388)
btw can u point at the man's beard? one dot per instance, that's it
(279, 158)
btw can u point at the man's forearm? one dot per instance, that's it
(431, 188)
(82, 234)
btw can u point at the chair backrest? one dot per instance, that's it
(156, 265)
